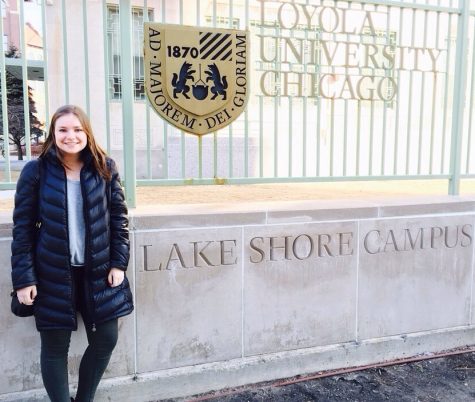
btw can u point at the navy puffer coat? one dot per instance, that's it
(40, 248)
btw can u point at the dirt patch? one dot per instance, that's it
(441, 379)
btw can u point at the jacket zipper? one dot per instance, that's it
(73, 296)
(87, 273)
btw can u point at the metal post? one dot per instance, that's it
(24, 78)
(106, 73)
(45, 65)
(460, 83)
(86, 57)
(4, 111)
(127, 100)
(65, 52)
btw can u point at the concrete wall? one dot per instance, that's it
(229, 295)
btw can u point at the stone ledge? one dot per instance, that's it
(426, 205)
(275, 212)
(192, 380)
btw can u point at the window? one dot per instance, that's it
(223, 22)
(113, 44)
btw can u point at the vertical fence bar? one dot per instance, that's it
(246, 144)
(434, 97)
(165, 124)
(358, 124)
(319, 114)
(459, 97)
(332, 133)
(65, 51)
(358, 137)
(86, 57)
(409, 110)
(276, 107)
(276, 136)
(200, 164)
(261, 119)
(106, 74)
(182, 133)
(125, 11)
(24, 75)
(246, 114)
(147, 109)
(214, 13)
(261, 136)
(3, 88)
(45, 64)
(345, 135)
(290, 136)
(183, 154)
(470, 108)
(304, 118)
(446, 93)
(198, 12)
(304, 139)
(396, 125)
(200, 156)
(421, 106)
(215, 154)
(230, 127)
(385, 106)
(371, 136)
(246, 14)
(371, 130)
(318, 141)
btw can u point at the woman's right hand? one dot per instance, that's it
(27, 295)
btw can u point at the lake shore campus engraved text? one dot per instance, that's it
(303, 246)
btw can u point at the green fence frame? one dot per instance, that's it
(462, 15)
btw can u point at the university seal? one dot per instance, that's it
(196, 78)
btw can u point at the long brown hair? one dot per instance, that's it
(97, 153)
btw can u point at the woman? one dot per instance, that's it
(70, 251)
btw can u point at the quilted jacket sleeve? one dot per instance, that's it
(119, 247)
(25, 216)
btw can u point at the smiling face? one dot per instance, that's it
(70, 138)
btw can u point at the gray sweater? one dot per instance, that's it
(76, 229)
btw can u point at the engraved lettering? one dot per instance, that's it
(199, 252)
(366, 241)
(179, 257)
(227, 251)
(145, 257)
(310, 248)
(257, 249)
(467, 233)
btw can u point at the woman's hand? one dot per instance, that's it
(27, 295)
(115, 277)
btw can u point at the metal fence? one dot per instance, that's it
(341, 90)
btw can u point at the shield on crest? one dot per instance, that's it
(196, 78)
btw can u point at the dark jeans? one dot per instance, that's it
(54, 361)
(55, 347)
